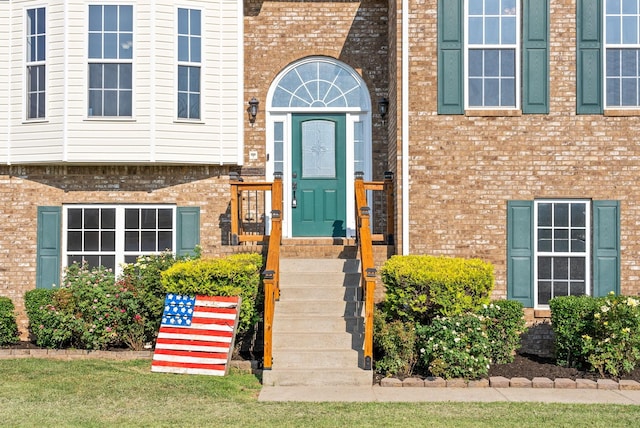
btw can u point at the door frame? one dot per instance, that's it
(358, 127)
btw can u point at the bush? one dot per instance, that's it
(572, 317)
(49, 326)
(421, 287)
(8, 326)
(455, 347)
(235, 275)
(504, 323)
(394, 346)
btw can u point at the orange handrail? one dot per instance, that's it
(271, 273)
(365, 250)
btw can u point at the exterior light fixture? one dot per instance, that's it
(383, 107)
(253, 110)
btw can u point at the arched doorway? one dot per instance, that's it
(318, 136)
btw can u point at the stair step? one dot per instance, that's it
(314, 358)
(313, 341)
(321, 307)
(318, 377)
(297, 292)
(319, 265)
(327, 278)
(287, 323)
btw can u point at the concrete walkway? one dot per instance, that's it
(388, 395)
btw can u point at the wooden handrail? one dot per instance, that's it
(365, 249)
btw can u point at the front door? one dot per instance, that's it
(318, 175)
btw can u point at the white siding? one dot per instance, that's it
(4, 80)
(153, 134)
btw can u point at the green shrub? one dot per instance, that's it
(613, 348)
(394, 346)
(455, 347)
(50, 327)
(421, 287)
(235, 275)
(8, 326)
(504, 323)
(572, 317)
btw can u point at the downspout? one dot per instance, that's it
(405, 127)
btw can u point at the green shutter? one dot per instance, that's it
(606, 247)
(48, 247)
(520, 252)
(450, 53)
(535, 57)
(188, 230)
(589, 57)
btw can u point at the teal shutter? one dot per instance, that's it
(48, 247)
(606, 247)
(589, 57)
(535, 57)
(520, 252)
(188, 230)
(450, 57)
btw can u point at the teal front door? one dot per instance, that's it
(318, 175)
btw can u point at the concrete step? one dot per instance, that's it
(287, 323)
(314, 358)
(327, 278)
(319, 265)
(318, 377)
(337, 308)
(304, 292)
(313, 341)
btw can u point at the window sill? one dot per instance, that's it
(189, 121)
(493, 113)
(622, 112)
(109, 119)
(40, 120)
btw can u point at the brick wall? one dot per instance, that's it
(464, 169)
(23, 189)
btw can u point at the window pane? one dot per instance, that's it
(561, 240)
(491, 62)
(110, 45)
(578, 215)
(560, 288)
(561, 215)
(110, 103)
(126, 18)
(74, 259)
(544, 268)
(577, 268)
(475, 31)
(183, 78)
(195, 49)
(508, 92)
(509, 31)
(544, 292)
(131, 218)
(613, 6)
(108, 241)
(560, 268)
(74, 241)
(40, 56)
(194, 79)
(613, 29)
(578, 241)
(195, 22)
(126, 45)
(194, 106)
(183, 104)
(125, 76)
(475, 92)
(492, 92)
(148, 241)
(111, 76)
(475, 63)
(544, 214)
(148, 217)
(95, 76)
(95, 45)
(95, 103)
(183, 21)
(629, 62)
(629, 29)
(577, 289)
(475, 7)
(492, 31)
(492, 7)
(92, 261)
(165, 219)
(165, 241)
(125, 104)
(110, 18)
(131, 242)
(91, 218)
(95, 18)
(108, 262)
(629, 92)
(183, 48)
(544, 240)
(613, 92)
(91, 240)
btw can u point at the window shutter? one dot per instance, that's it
(606, 247)
(535, 57)
(48, 247)
(520, 252)
(188, 230)
(589, 57)
(450, 52)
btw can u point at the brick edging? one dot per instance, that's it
(516, 382)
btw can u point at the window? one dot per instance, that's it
(110, 60)
(493, 54)
(562, 248)
(622, 51)
(189, 62)
(492, 49)
(36, 68)
(111, 235)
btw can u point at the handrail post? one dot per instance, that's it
(269, 306)
(388, 188)
(235, 228)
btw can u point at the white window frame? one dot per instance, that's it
(484, 46)
(119, 252)
(189, 63)
(106, 61)
(622, 45)
(39, 63)
(586, 254)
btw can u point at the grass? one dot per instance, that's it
(98, 393)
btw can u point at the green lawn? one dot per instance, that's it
(96, 393)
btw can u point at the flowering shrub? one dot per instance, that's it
(455, 347)
(614, 345)
(50, 327)
(8, 326)
(504, 323)
(394, 346)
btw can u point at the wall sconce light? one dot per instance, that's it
(383, 107)
(253, 110)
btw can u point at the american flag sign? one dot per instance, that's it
(196, 335)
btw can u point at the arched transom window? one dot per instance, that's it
(319, 84)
